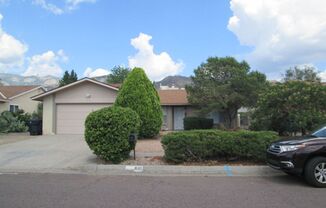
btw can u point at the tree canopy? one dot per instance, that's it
(68, 78)
(302, 73)
(138, 93)
(293, 106)
(118, 75)
(225, 85)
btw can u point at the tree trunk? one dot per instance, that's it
(230, 118)
(303, 132)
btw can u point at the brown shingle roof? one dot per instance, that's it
(10, 91)
(173, 97)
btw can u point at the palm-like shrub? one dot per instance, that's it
(9, 123)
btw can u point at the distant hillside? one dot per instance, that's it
(177, 81)
(14, 79)
(50, 82)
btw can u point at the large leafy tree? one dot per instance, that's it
(225, 85)
(68, 78)
(302, 73)
(118, 75)
(293, 106)
(139, 94)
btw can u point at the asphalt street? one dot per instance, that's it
(64, 190)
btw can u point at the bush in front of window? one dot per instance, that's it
(107, 132)
(190, 123)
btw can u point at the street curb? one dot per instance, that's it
(156, 170)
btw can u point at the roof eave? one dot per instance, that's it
(41, 96)
(28, 91)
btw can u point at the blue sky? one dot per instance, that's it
(169, 37)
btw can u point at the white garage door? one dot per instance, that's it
(70, 118)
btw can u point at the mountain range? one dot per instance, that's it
(177, 81)
(15, 79)
(51, 81)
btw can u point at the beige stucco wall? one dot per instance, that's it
(83, 93)
(4, 106)
(48, 115)
(24, 102)
(86, 92)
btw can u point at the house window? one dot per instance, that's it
(215, 116)
(13, 108)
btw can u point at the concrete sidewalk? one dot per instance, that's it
(155, 170)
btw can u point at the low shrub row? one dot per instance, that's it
(200, 145)
(197, 123)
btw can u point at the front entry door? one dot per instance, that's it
(179, 115)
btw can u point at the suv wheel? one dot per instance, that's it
(315, 171)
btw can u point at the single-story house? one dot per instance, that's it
(66, 108)
(13, 98)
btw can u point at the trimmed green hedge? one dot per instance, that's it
(190, 123)
(107, 132)
(200, 145)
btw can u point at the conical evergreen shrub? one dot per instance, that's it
(138, 93)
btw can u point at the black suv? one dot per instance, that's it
(304, 156)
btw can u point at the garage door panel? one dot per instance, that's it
(70, 118)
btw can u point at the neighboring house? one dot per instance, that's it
(66, 108)
(175, 107)
(13, 98)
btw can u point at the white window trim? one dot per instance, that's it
(13, 105)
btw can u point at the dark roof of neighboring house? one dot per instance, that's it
(11, 91)
(173, 97)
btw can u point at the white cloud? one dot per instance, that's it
(89, 72)
(68, 5)
(283, 33)
(156, 66)
(12, 51)
(73, 4)
(322, 75)
(47, 63)
(49, 7)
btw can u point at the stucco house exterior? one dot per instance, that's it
(13, 98)
(66, 108)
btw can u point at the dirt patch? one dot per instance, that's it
(149, 145)
(159, 160)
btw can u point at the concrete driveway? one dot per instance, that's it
(46, 152)
(70, 154)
